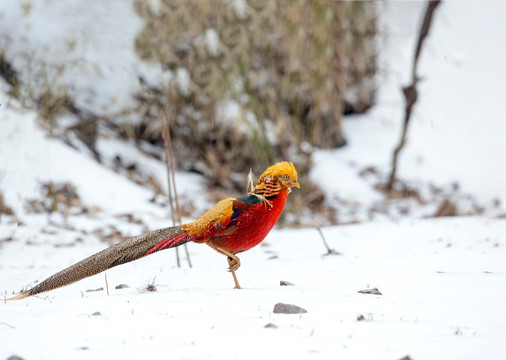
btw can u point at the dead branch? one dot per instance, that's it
(410, 92)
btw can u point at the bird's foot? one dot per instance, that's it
(233, 263)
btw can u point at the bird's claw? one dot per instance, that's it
(233, 263)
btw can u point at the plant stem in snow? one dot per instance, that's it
(171, 179)
(329, 250)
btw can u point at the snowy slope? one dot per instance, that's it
(457, 124)
(460, 121)
(93, 41)
(457, 128)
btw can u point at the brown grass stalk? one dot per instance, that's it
(171, 181)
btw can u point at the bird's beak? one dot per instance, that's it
(295, 183)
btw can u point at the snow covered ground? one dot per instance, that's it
(442, 281)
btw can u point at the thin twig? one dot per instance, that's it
(329, 250)
(173, 175)
(106, 284)
(4, 323)
(164, 123)
(171, 181)
(165, 135)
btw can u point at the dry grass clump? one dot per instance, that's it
(254, 80)
(4, 208)
(57, 197)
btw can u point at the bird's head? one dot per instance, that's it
(282, 174)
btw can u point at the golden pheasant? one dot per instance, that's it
(230, 227)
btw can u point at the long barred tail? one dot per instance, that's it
(121, 253)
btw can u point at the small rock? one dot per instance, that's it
(360, 318)
(285, 283)
(373, 291)
(407, 357)
(15, 357)
(96, 313)
(93, 290)
(281, 308)
(271, 326)
(122, 286)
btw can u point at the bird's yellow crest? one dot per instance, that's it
(283, 173)
(280, 169)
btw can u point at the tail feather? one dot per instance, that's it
(121, 253)
(170, 243)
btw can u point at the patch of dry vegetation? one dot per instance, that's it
(254, 80)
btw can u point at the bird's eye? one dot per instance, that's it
(286, 177)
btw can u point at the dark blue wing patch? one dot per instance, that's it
(250, 199)
(242, 204)
(234, 215)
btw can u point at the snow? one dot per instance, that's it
(188, 185)
(239, 7)
(442, 280)
(26, 151)
(183, 81)
(212, 41)
(101, 67)
(456, 129)
(442, 283)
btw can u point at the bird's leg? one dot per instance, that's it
(237, 286)
(233, 264)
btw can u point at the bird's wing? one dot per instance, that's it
(247, 225)
(242, 206)
(222, 219)
(212, 222)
